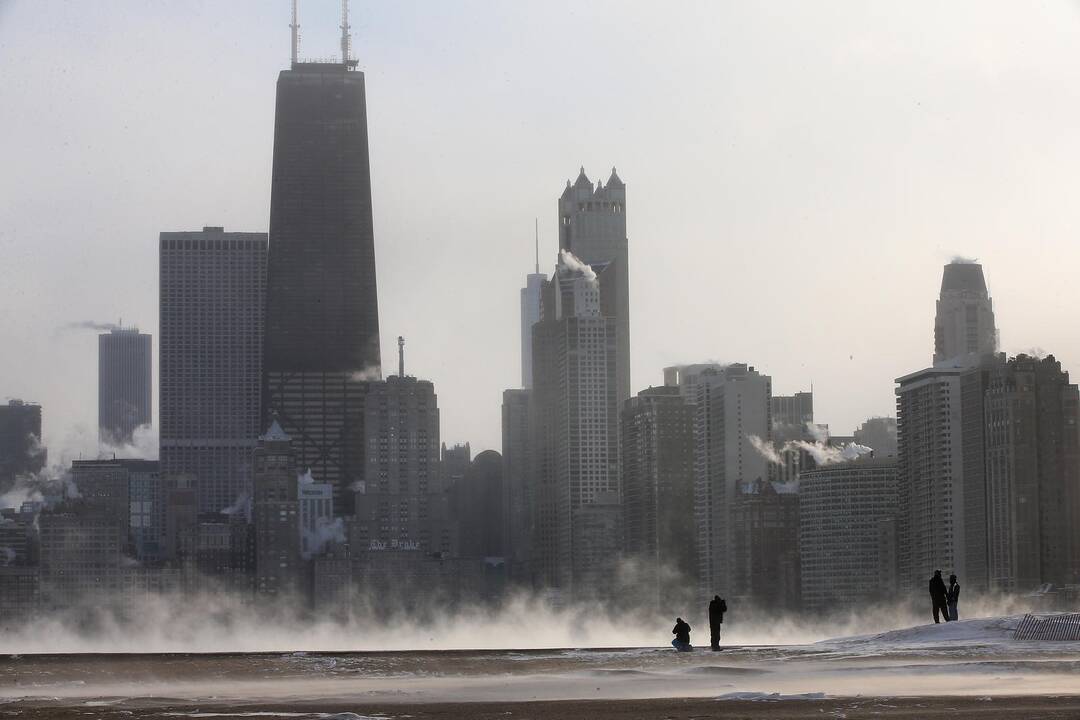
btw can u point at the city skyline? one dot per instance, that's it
(810, 258)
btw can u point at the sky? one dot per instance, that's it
(797, 174)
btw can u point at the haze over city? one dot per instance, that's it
(797, 175)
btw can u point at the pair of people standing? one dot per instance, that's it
(944, 599)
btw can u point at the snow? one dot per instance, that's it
(979, 631)
(771, 696)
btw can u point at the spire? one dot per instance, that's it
(615, 179)
(346, 38)
(583, 180)
(295, 31)
(536, 222)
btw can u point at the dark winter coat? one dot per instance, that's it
(717, 608)
(681, 631)
(937, 588)
(954, 593)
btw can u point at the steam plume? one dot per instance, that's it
(571, 261)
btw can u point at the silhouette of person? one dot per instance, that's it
(938, 596)
(717, 608)
(952, 597)
(681, 631)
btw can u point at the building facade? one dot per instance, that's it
(657, 434)
(213, 294)
(732, 405)
(847, 536)
(125, 384)
(765, 564)
(518, 496)
(931, 518)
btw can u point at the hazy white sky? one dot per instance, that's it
(797, 173)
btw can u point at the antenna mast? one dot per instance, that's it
(536, 222)
(295, 31)
(401, 356)
(346, 38)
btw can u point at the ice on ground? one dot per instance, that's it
(978, 631)
(771, 696)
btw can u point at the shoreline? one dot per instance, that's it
(851, 708)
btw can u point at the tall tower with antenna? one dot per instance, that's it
(530, 310)
(322, 317)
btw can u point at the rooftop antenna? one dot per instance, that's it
(536, 221)
(295, 31)
(346, 38)
(401, 356)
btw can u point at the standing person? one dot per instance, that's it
(952, 596)
(681, 631)
(717, 608)
(938, 596)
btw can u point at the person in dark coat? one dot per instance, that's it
(939, 596)
(717, 608)
(681, 631)
(952, 597)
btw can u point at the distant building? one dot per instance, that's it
(212, 306)
(575, 429)
(21, 452)
(794, 411)
(592, 226)
(125, 384)
(316, 503)
(322, 307)
(732, 405)
(276, 511)
(1032, 475)
(518, 495)
(687, 377)
(657, 433)
(530, 315)
(931, 518)
(847, 537)
(765, 563)
(81, 557)
(878, 433)
(401, 503)
(964, 324)
(480, 507)
(129, 491)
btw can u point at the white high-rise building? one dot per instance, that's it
(964, 324)
(732, 404)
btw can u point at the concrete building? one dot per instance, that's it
(732, 405)
(21, 452)
(322, 323)
(518, 495)
(794, 411)
(125, 384)
(687, 378)
(317, 527)
(847, 536)
(81, 556)
(657, 434)
(592, 226)
(213, 295)
(575, 430)
(792, 421)
(1032, 475)
(765, 561)
(276, 514)
(964, 323)
(878, 433)
(401, 503)
(931, 517)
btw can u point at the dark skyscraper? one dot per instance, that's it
(213, 294)
(322, 324)
(20, 441)
(125, 384)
